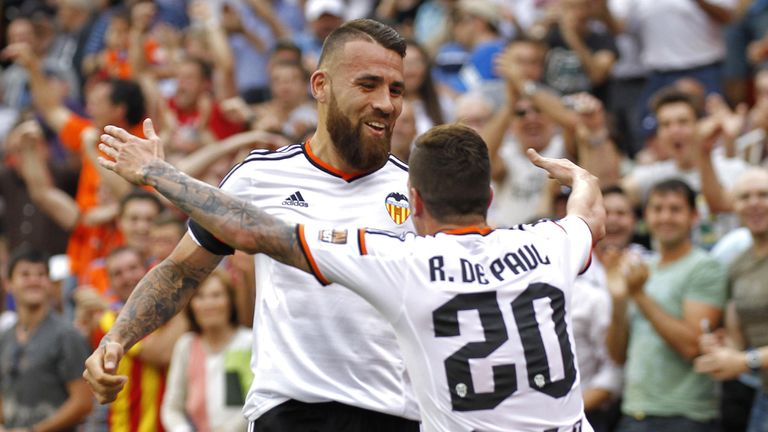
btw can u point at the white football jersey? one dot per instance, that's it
(482, 317)
(314, 343)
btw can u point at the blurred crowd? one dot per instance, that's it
(666, 101)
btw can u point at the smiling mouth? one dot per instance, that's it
(377, 127)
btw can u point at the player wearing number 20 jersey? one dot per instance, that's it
(481, 316)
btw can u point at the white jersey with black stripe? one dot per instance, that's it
(481, 316)
(315, 343)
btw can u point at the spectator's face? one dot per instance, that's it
(21, 31)
(325, 24)
(101, 108)
(190, 85)
(163, 239)
(464, 29)
(125, 269)
(530, 127)
(529, 57)
(676, 130)
(117, 34)
(415, 69)
(136, 222)
(211, 304)
(619, 221)
(751, 202)
(473, 112)
(404, 133)
(288, 85)
(30, 284)
(365, 98)
(669, 218)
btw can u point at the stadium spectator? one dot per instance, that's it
(41, 387)
(678, 294)
(209, 374)
(579, 58)
(743, 347)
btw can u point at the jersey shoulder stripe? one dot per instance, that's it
(386, 233)
(398, 163)
(272, 156)
(361, 242)
(266, 152)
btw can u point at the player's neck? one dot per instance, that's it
(433, 226)
(323, 149)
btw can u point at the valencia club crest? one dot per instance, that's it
(397, 207)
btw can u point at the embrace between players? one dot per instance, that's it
(459, 327)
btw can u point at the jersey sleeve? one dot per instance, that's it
(235, 183)
(372, 265)
(572, 237)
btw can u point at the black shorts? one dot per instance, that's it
(295, 416)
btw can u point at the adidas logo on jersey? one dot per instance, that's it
(295, 200)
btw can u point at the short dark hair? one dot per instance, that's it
(26, 254)
(284, 44)
(120, 249)
(674, 186)
(450, 168)
(128, 93)
(205, 68)
(363, 29)
(614, 189)
(139, 194)
(226, 280)
(671, 95)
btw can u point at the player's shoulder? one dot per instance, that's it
(395, 163)
(265, 160)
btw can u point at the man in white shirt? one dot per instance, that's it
(322, 359)
(481, 315)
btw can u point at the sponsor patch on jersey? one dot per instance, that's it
(397, 207)
(333, 236)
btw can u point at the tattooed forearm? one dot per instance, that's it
(233, 221)
(162, 293)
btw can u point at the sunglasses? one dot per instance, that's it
(522, 112)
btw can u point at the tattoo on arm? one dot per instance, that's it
(232, 220)
(158, 297)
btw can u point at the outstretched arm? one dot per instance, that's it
(234, 221)
(160, 295)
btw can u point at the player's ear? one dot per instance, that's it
(417, 204)
(490, 196)
(319, 85)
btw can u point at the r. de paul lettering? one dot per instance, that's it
(524, 259)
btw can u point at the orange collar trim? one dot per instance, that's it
(472, 229)
(331, 169)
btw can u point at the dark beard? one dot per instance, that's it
(362, 153)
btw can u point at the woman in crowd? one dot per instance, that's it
(429, 108)
(209, 372)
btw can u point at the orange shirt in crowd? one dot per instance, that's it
(87, 243)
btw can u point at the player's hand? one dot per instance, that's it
(100, 371)
(130, 155)
(561, 170)
(722, 363)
